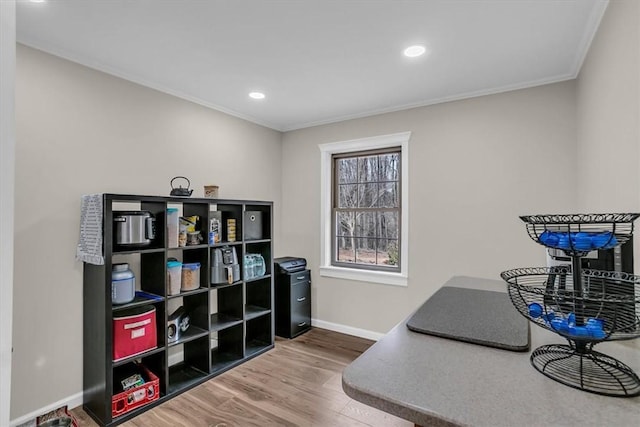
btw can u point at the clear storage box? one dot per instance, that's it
(172, 227)
(174, 277)
(190, 276)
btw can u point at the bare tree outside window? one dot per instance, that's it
(366, 209)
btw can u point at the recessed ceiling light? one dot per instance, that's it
(413, 51)
(37, 1)
(257, 95)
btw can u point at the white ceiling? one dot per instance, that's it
(318, 61)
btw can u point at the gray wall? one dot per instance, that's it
(475, 165)
(7, 182)
(608, 113)
(80, 131)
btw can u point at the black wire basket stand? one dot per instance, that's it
(584, 306)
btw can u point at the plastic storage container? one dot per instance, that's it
(174, 277)
(172, 227)
(190, 276)
(123, 284)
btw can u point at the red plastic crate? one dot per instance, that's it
(131, 399)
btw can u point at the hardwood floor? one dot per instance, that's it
(298, 383)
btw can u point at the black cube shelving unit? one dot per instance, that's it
(229, 323)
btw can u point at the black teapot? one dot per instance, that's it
(181, 192)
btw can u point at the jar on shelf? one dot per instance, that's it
(174, 269)
(172, 227)
(123, 284)
(190, 276)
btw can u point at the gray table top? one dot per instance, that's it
(435, 381)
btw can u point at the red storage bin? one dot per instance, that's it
(133, 398)
(134, 332)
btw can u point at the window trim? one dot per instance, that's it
(326, 173)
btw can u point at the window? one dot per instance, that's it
(364, 209)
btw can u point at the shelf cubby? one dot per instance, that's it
(258, 298)
(230, 211)
(153, 274)
(226, 348)
(265, 214)
(263, 248)
(259, 331)
(147, 366)
(183, 376)
(227, 301)
(194, 366)
(223, 321)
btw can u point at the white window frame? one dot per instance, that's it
(363, 144)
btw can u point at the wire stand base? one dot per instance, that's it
(586, 370)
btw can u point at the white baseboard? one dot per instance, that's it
(349, 330)
(71, 402)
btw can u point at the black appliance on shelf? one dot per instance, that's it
(292, 296)
(618, 259)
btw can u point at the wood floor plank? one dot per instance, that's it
(333, 347)
(239, 412)
(334, 383)
(285, 398)
(210, 394)
(298, 383)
